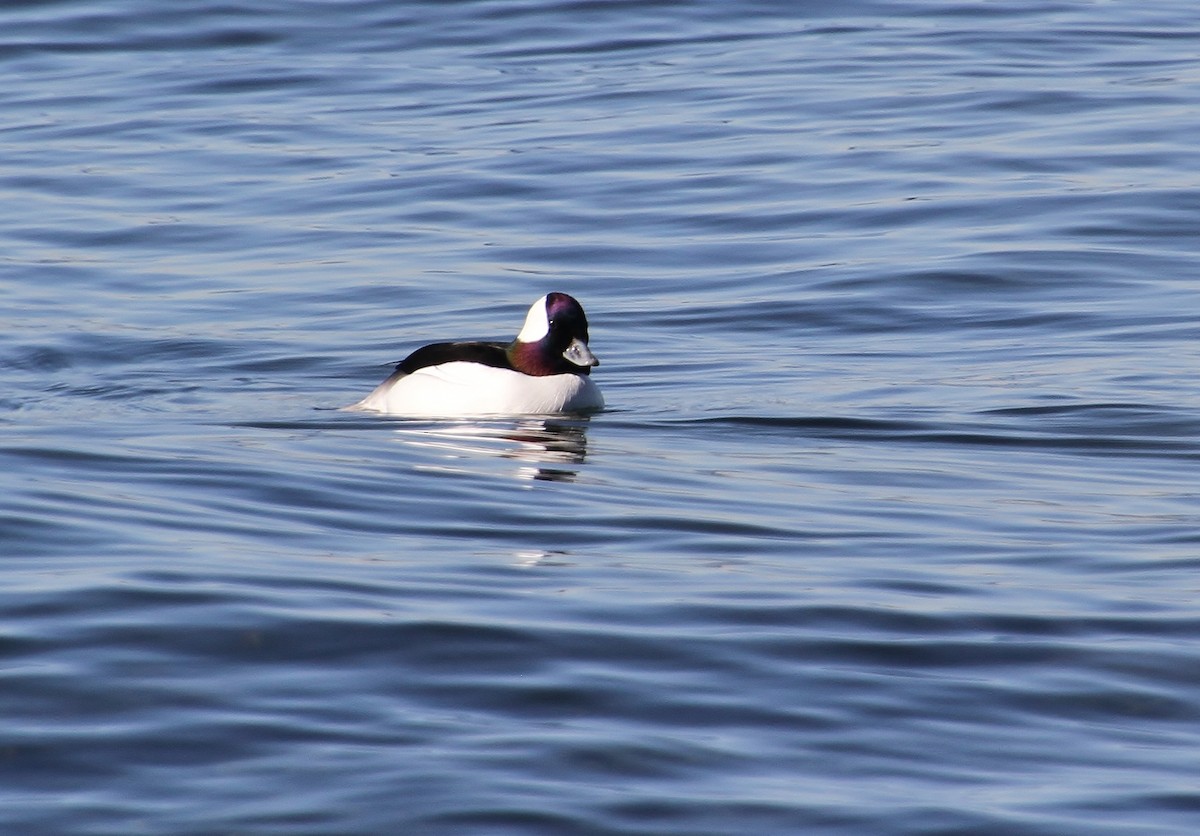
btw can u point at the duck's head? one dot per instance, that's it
(554, 339)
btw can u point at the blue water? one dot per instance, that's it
(892, 525)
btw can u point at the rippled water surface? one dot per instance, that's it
(892, 524)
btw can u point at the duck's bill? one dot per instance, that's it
(579, 354)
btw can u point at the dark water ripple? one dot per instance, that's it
(891, 526)
(1107, 429)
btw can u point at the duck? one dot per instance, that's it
(545, 370)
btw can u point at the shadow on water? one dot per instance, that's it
(545, 449)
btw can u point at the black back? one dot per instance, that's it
(486, 353)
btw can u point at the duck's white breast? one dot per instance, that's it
(461, 388)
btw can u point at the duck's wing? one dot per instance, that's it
(436, 354)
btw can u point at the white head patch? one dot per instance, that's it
(537, 325)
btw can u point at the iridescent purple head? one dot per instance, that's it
(554, 339)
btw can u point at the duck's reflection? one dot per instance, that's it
(547, 449)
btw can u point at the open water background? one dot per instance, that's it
(893, 525)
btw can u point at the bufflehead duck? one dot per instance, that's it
(544, 370)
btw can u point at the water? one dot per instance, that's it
(892, 525)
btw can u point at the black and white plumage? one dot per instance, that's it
(546, 369)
